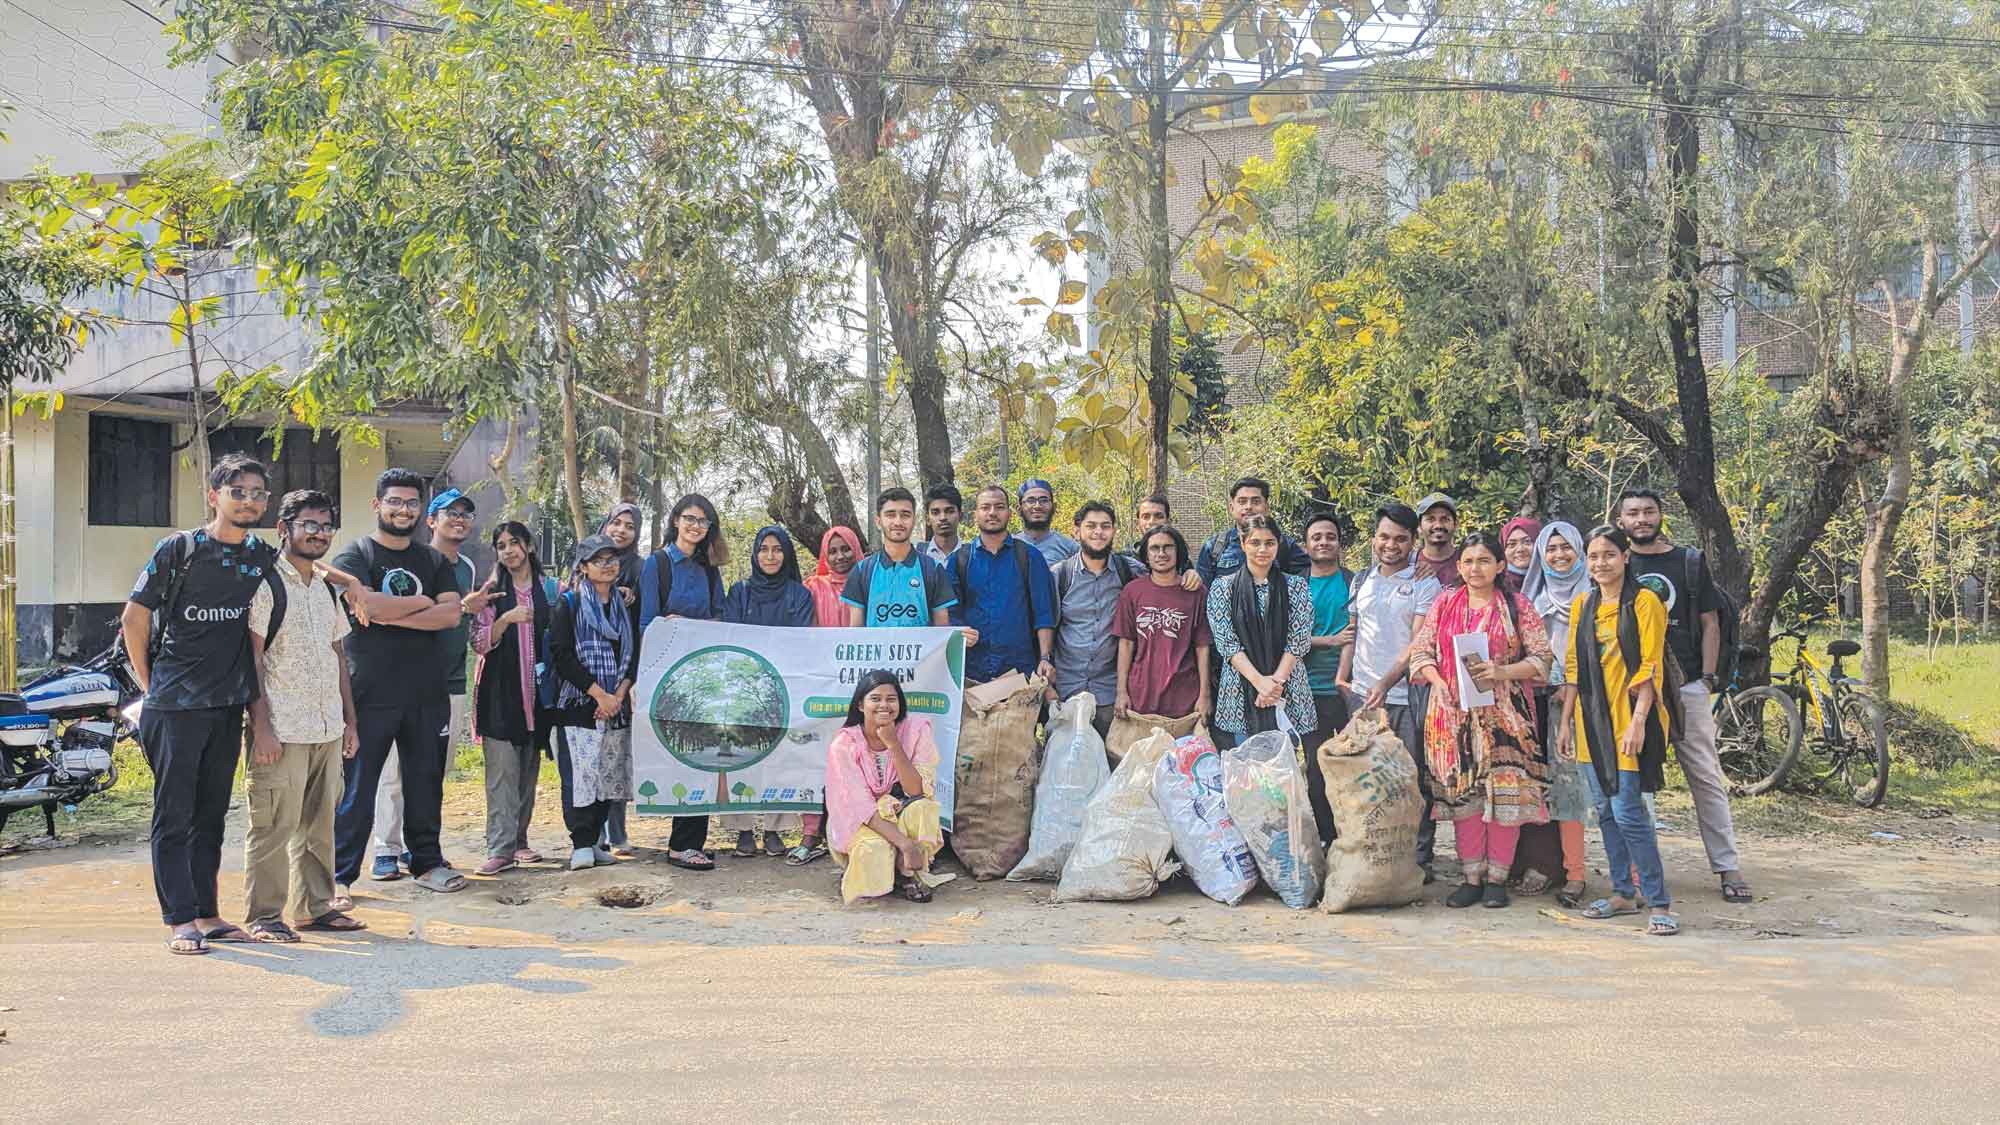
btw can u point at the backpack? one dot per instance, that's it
(663, 583)
(1728, 616)
(547, 684)
(1121, 565)
(961, 571)
(180, 561)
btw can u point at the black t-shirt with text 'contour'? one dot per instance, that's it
(205, 658)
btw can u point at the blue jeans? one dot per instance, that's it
(1629, 838)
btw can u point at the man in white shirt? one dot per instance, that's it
(1387, 602)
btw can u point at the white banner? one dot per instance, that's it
(737, 718)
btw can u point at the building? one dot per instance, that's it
(105, 477)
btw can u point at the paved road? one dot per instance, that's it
(526, 1001)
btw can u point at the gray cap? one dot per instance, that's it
(1433, 500)
(593, 546)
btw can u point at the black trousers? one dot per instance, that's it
(1407, 720)
(585, 823)
(418, 735)
(193, 756)
(1332, 716)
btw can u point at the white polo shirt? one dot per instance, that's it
(1385, 609)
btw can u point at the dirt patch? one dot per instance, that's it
(627, 896)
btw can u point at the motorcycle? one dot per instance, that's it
(57, 734)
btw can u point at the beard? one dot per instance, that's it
(1097, 554)
(382, 523)
(1035, 525)
(309, 549)
(245, 523)
(1643, 536)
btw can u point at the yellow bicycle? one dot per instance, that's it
(1849, 747)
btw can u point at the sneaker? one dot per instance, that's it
(1465, 895)
(603, 857)
(1496, 896)
(405, 859)
(582, 859)
(385, 869)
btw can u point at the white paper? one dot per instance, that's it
(1462, 646)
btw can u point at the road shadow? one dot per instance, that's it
(377, 973)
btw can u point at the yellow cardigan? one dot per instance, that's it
(1617, 682)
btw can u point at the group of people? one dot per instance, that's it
(1520, 723)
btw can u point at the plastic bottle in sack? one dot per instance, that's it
(1266, 793)
(1073, 767)
(1187, 785)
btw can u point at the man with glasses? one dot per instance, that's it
(293, 785)
(1038, 510)
(450, 519)
(403, 598)
(198, 681)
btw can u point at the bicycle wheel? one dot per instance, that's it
(1757, 737)
(1864, 759)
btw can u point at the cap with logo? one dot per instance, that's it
(1436, 499)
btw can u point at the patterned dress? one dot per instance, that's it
(1229, 699)
(1484, 760)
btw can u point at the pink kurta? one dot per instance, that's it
(857, 778)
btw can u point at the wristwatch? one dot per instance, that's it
(1709, 681)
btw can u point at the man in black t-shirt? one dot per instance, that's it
(403, 598)
(1681, 578)
(197, 686)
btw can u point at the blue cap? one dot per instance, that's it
(446, 499)
(1026, 485)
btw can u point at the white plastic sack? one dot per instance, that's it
(1266, 793)
(1123, 849)
(1073, 767)
(1187, 785)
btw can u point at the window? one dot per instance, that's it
(304, 462)
(131, 472)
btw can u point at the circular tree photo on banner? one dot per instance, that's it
(721, 709)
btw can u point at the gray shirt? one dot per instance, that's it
(1054, 545)
(1086, 654)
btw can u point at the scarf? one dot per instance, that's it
(499, 698)
(603, 634)
(770, 599)
(1263, 637)
(1456, 617)
(1594, 700)
(1550, 591)
(825, 585)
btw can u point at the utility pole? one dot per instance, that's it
(9, 636)
(874, 401)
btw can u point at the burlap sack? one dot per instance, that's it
(998, 763)
(1123, 851)
(1371, 784)
(1135, 726)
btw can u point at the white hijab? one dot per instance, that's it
(1551, 591)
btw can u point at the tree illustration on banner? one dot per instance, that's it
(719, 709)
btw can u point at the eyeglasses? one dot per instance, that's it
(312, 527)
(401, 503)
(693, 520)
(601, 560)
(455, 514)
(241, 494)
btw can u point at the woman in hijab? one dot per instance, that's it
(621, 526)
(839, 550)
(681, 579)
(881, 779)
(1489, 776)
(1556, 577)
(1517, 539)
(773, 596)
(594, 645)
(1261, 620)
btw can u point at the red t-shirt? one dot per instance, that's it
(1165, 625)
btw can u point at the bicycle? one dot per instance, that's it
(1851, 738)
(1758, 732)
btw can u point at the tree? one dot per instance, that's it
(1140, 74)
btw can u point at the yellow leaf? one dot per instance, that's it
(1071, 292)
(1265, 108)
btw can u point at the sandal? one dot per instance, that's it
(802, 855)
(690, 860)
(186, 945)
(341, 900)
(334, 921)
(623, 851)
(1533, 883)
(1662, 925)
(276, 932)
(527, 855)
(443, 880)
(494, 865)
(228, 933)
(1736, 890)
(1570, 895)
(1613, 907)
(915, 891)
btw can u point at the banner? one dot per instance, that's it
(737, 718)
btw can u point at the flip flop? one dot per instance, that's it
(494, 865)
(333, 921)
(802, 855)
(340, 902)
(228, 934)
(681, 860)
(1603, 908)
(1662, 925)
(443, 880)
(186, 945)
(1736, 890)
(527, 855)
(276, 932)
(1568, 899)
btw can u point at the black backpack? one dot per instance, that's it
(961, 571)
(180, 560)
(1728, 616)
(1121, 565)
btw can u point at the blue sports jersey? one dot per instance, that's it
(894, 594)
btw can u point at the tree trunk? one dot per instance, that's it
(821, 461)
(913, 331)
(572, 464)
(196, 408)
(1878, 553)
(1538, 498)
(501, 475)
(1159, 256)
